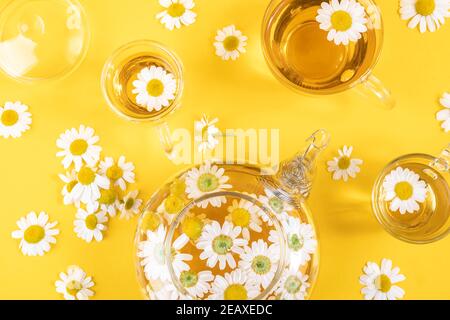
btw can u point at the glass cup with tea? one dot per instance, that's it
(143, 81)
(411, 197)
(305, 57)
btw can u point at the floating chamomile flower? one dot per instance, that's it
(206, 134)
(90, 225)
(260, 261)
(300, 240)
(344, 20)
(75, 284)
(176, 13)
(89, 183)
(14, 119)
(344, 166)
(379, 283)
(36, 234)
(78, 146)
(70, 180)
(237, 285)
(192, 225)
(427, 14)
(130, 205)
(118, 173)
(293, 285)
(279, 207)
(197, 283)
(153, 259)
(219, 243)
(205, 180)
(246, 215)
(230, 43)
(155, 88)
(170, 207)
(444, 114)
(405, 190)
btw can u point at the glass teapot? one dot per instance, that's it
(227, 232)
(411, 197)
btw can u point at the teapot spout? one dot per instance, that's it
(296, 175)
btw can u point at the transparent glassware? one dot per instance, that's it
(239, 236)
(300, 56)
(431, 221)
(42, 40)
(122, 68)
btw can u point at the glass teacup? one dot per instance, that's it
(301, 56)
(411, 197)
(133, 63)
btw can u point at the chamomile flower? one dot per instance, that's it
(197, 283)
(279, 207)
(405, 190)
(118, 173)
(90, 225)
(205, 180)
(108, 202)
(293, 285)
(170, 207)
(380, 282)
(236, 285)
(88, 186)
(344, 166)
(130, 205)
(444, 114)
(192, 225)
(427, 14)
(260, 262)
(36, 234)
(176, 13)
(78, 146)
(75, 284)
(230, 43)
(70, 180)
(301, 242)
(245, 215)
(154, 88)
(14, 120)
(153, 259)
(219, 243)
(206, 134)
(344, 20)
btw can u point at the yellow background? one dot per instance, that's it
(241, 94)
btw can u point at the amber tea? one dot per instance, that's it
(300, 54)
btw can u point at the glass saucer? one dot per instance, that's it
(42, 39)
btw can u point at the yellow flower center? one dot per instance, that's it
(9, 117)
(240, 217)
(404, 190)
(192, 227)
(86, 176)
(425, 7)
(91, 222)
(151, 221)
(344, 163)
(70, 185)
(155, 87)
(383, 283)
(261, 264)
(114, 172)
(235, 292)
(107, 196)
(188, 279)
(178, 188)
(173, 204)
(293, 284)
(129, 203)
(207, 182)
(341, 20)
(231, 43)
(34, 234)
(73, 287)
(78, 147)
(222, 244)
(176, 10)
